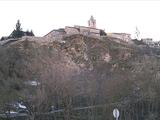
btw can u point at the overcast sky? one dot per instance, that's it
(113, 16)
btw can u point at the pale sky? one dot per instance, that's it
(113, 16)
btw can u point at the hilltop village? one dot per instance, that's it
(90, 31)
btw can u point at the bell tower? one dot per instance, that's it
(92, 22)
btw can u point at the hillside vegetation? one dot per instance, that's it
(80, 72)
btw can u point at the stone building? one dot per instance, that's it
(82, 30)
(92, 22)
(122, 36)
(88, 30)
(147, 41)
(55, 34)
(71, 30)
(91, 30)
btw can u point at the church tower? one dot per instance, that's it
(92, 22)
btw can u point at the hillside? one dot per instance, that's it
(82, 71)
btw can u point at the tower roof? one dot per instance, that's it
(92, 18)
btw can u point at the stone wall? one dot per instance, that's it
(60, 33)
(88, 31)
(55, 35)
(84, 31)
(123, 36)
(96, 31)
(71, 30)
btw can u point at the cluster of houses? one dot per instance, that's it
(150, 42)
